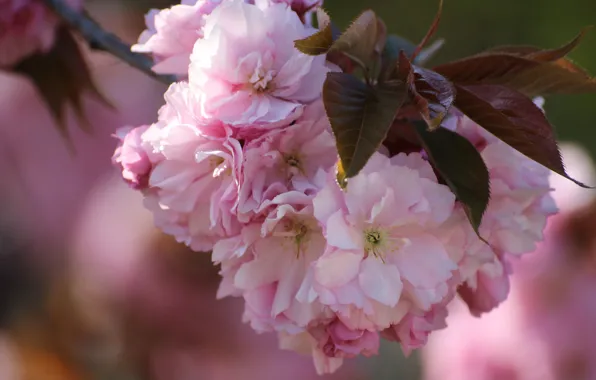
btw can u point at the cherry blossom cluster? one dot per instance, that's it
(241, 162)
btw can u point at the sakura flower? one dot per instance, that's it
(414, 329)
(382, 258)
(339, 341)
(329, 342)
(193, 186)
(246, 69)
(520, 200)
(520, 192)
(304, 343)
(303, 8)
(26, 27)
(171, 34)
(286, 160)
(487, 288)
(132, 157)
(291, 240)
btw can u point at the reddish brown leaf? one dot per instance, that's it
(558, 55)
(437, 91)
(430, 93)
(550, 55)
(394, 45)
(525, 75)
(61, 77)
(360, 117)
(484, 68)
(526, 51)
(431, 31)
(321, 41)
(515, 119)
(360, 38)
(543, 55)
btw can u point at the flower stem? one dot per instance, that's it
(100, 39)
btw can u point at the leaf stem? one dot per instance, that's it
(100, 39)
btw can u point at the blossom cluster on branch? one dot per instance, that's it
(243, 162)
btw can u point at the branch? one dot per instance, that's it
(99, 39)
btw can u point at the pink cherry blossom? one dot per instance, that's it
(171, 34)
(337, 340)
(194, 180)
(26, 27)
(520, 192)
(270, 278)
(286, 160)
(303, 8)
(132, 157)
(488, 288)
(246, 70)
(304, 343)
(382, 257)
(520, 200)
(413, 330)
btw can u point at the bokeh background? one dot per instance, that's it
(90, 290)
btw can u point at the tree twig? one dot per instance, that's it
(100, 39)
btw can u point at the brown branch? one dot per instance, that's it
(100, 39)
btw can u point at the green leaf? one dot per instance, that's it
(461, 166)
(62, 77)
(360, 116)
(516, 120)
(321, 41)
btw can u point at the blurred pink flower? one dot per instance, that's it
(164, 301)
(246, 70)
(9, 361)
(26, 27)
(543, 331)
(46, 183)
